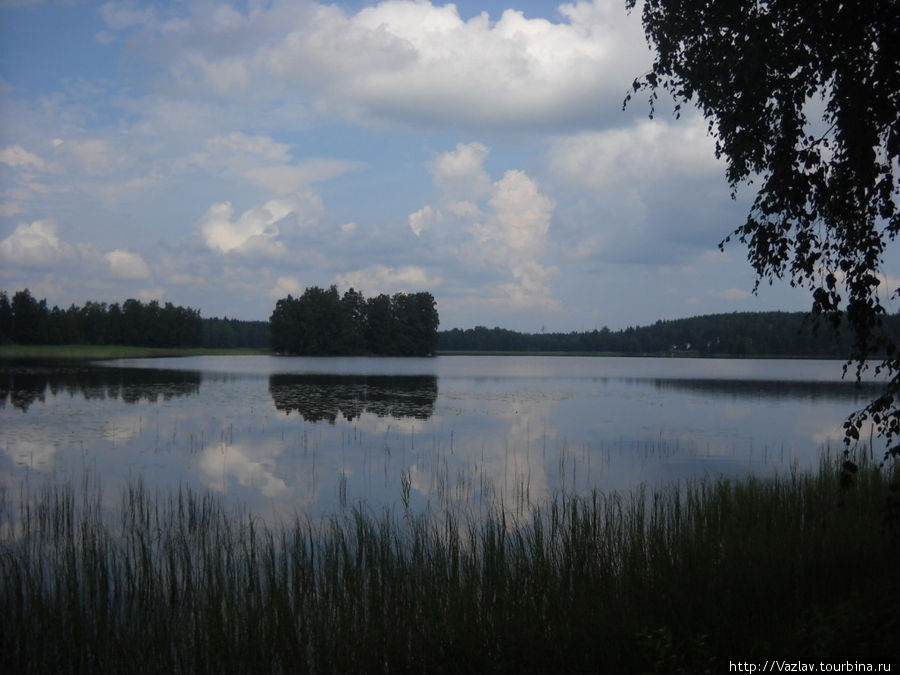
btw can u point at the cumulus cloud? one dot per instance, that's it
(498, 228)
(635, 156)
(383, 279)
(261, 229)
(516, 231)
(35, 244)
(633, 185)
(418, 62)
(284, 286)
(520, 215)
(424, 219)
(126, 264)
(409, 62)
(460, 174)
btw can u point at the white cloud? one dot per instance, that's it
(261, 229)
(635, 156)
(650, 192)
(236, 144)
(531, 287)
(10, 209)
(263, 162)
(406, 61)
(18, 157)
(150, 294)
(235, 153)
(507, 237)
(466, 210)
(424, 219)
(285, 286)
(126, 265)
(520, 215)
(285, 179)
(35, 244)
(460, 174)
(733, 294)
(119, 16)
(378, 279)
(98, 157)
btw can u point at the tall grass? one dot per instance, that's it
(686, 578)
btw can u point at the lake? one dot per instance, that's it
(286, 435)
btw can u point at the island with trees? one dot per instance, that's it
(321, 322)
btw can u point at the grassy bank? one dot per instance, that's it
(681, 580)
(112, 351)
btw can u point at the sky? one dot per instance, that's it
(222, 156)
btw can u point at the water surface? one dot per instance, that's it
(314, 435)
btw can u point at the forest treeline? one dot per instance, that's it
(321, 322)
(26, 320)
(736, 334)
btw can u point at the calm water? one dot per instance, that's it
(314, 435)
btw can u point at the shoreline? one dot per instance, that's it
(94, 352)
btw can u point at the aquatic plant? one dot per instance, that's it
(694, 574)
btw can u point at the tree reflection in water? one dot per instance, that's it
(23, 383)
(325, 397)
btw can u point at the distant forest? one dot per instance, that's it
(321, 322)
(28, 321)
(737, 334)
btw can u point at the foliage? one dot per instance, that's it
(30, 322)
(234, 333)
(738, 334)
(322, 323)
(27, 321)
(803, 99)
(682, 579)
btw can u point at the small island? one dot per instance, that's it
(323, 323)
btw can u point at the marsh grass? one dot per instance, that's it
(687, 577)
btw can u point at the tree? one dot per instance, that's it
(6, 319)
(30, 319)
(381, 331)
(353, 319)
(803, 101)
(417, 319)
(284, 326)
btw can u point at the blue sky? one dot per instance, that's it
(224, 155)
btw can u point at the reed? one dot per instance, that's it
(687, 577)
